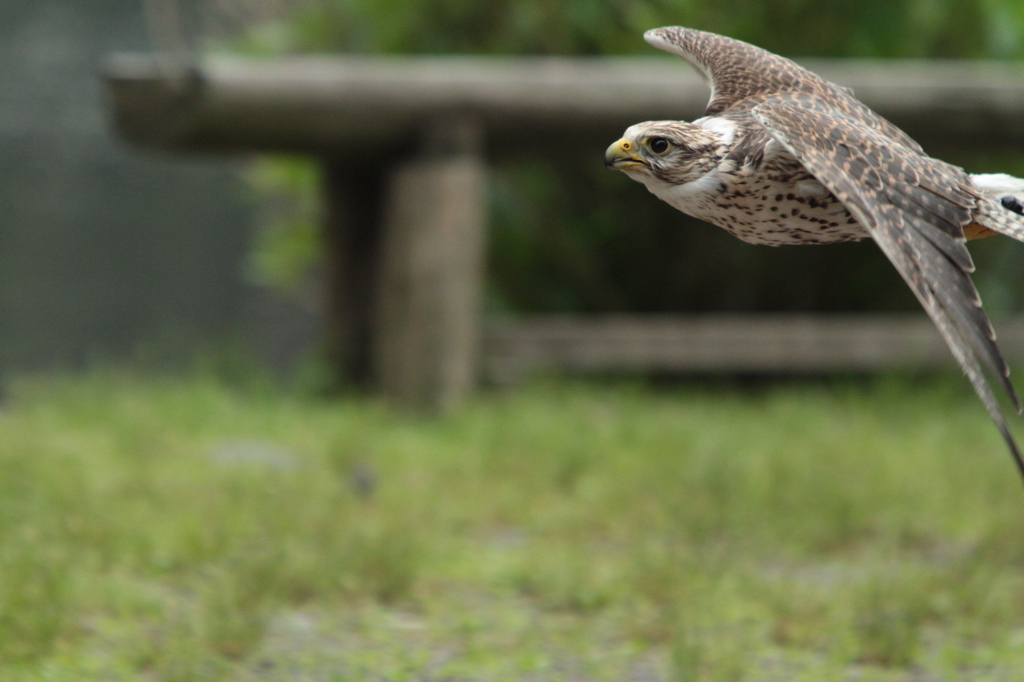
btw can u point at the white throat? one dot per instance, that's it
(691, 197)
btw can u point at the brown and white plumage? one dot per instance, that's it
(783, 156)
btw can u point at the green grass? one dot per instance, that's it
(178, 529)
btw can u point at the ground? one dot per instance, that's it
(184, 528)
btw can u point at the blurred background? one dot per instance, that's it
(187, 526)
(114, 252)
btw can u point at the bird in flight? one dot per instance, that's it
(782, 156)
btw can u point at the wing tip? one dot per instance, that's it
(1008, 385)
(1012, 445)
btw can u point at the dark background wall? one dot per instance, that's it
(103, 248)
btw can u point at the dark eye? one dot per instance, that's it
(658, 145)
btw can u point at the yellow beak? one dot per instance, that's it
(621, 155)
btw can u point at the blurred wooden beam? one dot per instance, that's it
(426, 331)
(720, 343)
(362, 105)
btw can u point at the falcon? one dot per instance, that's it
(782, 156)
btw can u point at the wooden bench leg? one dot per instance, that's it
(353, 194)
(427, 331)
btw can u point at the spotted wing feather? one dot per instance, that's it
(915, 208)
(739, 73)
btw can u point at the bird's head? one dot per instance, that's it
(665, 152)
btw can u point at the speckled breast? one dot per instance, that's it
(776, 213)
(786, 219)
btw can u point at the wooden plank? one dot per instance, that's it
(359, 105)
(768, 343)
(426, 342)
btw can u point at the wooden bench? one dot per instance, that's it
(405, 143)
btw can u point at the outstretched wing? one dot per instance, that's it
(915, 208)
(737, 71)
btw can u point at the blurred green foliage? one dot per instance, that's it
(287, 193)
(568, 236)
(827, 28)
